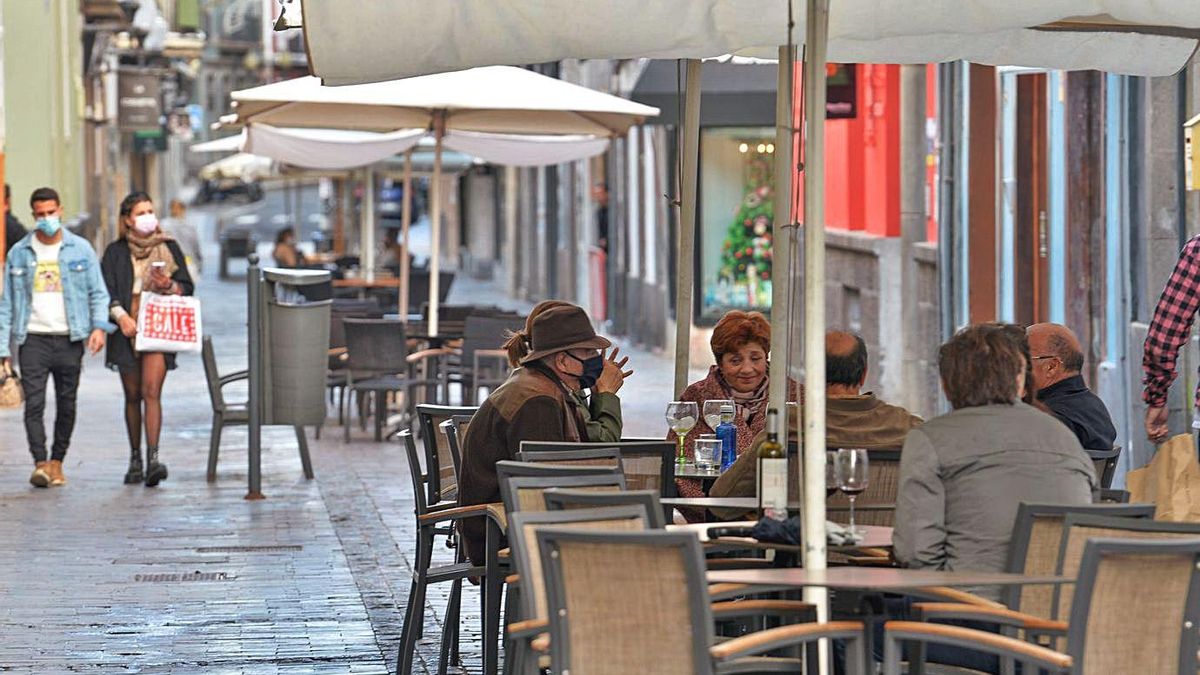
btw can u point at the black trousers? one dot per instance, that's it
(41, 357)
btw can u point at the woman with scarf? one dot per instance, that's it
(144, 259)
(741, 342)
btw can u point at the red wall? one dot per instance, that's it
(862, 157)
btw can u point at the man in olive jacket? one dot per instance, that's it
(534, 404)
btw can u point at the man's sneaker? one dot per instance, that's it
(41, 475)
(57, 479)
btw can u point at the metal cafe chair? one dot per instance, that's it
(1134, 609)
(646, 591)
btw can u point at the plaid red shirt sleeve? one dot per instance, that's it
(1171, 325)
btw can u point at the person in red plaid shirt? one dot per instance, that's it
(1169, 330)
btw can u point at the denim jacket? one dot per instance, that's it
(84, 292)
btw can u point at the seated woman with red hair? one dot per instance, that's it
(741, 343)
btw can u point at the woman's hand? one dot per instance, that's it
(159, 281)
(127, 325)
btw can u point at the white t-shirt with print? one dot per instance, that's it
(48, 311)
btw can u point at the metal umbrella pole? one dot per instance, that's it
(781, 240)
(690, 150)
(367, 236)
(813, 531)
(435, 222)
(405, 222)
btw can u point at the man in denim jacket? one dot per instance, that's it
(54, 300)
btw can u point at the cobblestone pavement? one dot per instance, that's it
(98, 577)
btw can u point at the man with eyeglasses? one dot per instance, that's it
(1057, 360)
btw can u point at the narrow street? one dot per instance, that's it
(99, 577)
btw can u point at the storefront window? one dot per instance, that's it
(736, 213)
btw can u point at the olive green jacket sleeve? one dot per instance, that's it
(602, 415)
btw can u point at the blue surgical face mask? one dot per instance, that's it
(592, 367)
(49, 225)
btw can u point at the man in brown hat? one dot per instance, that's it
(534, 404)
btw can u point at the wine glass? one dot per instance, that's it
(831, 481)
(852, 477)
(712, 411)
(681, 417)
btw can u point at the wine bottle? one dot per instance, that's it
(772, 472)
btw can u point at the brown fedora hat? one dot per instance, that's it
(561, 328)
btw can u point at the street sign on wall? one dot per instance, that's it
(139, 104)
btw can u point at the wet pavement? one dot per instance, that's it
(99, 577)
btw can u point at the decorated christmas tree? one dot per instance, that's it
(746, 253)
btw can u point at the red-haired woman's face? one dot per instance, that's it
(745, 368)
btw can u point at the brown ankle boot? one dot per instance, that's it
(41, 475)
(57, 479)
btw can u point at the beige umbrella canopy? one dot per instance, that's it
(495, 100)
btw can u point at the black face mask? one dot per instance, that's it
(592, 367)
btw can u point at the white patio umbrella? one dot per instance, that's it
(369, 41)
(338, 149)
(490, 100)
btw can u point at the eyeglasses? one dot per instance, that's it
(1039, 358)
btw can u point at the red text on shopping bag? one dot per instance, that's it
(168, 320)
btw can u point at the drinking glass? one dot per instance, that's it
(852, 477)
(831, 481)
(707, 450)
(681, 417)
(712, 411)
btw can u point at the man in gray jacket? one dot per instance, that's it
(962, 475)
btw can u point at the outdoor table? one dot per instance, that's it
(874, 581)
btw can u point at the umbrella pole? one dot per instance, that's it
(813, 532)
(367, 236)
(781, 239)
(690, 149)
(405, 222)
(435, 221)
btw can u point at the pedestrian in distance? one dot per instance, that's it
(184, 231)
(53, 305)
(144, 259)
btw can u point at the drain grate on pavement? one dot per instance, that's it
(249, 549)
(186, 576)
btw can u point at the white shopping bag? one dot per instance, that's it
(168, 323)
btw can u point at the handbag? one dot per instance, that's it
(11, 395)
(168, 323)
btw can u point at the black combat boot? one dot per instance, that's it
(134, 474)
(156, 472)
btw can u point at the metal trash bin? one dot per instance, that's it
(295, 346)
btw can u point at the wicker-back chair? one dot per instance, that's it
(1035, 545)
(637, 602)
(558, 499)
(522, 537)
(440, 464)
(1105, 462)
(1033, 550)
(647, 464)
(432, 521)
(1078, 529)
(455, 429)
(877, 504)
(1134, 610)
(522, 483)
(607, 457)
